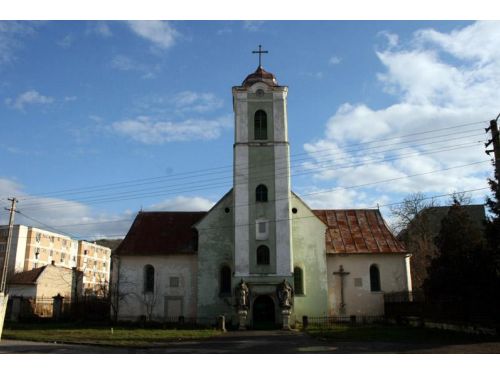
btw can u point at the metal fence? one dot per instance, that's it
(29, 309)
(330, 321)
(399, 306)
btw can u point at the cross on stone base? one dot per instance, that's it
(342, 274)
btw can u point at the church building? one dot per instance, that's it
(260, 255)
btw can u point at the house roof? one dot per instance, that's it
(27, 277)
(357, 231)
(161, 233)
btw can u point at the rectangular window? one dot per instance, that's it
(261, 229)
(358, 282)
(174, 282)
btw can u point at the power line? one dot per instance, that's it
(281, 220)
(205, 171)
(46, 225)
(128, 195)
(306, 194)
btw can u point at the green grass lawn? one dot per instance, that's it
(389, 333)
(118, 336)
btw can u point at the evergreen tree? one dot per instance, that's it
(492, 231)
(463, 272)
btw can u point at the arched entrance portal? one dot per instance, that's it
(263, 313)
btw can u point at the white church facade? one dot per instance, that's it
(260, 255)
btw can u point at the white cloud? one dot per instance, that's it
(334, 60)
(160, 33)
(121, 62)
(125, 63)
(224, 31)
(63, 216)
(145, 130)
(11, 33)
(100, 28)
(197, 102)
(67, 41)
(183, 203)
(431, 91)
(252, 25)
(28, 98)
(392, 39)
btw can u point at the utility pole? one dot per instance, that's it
(495, 139)
(5, 269)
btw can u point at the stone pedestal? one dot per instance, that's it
(242, 314)
(57, 307)
(285, 314)
(221, 323)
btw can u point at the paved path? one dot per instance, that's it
(257, 342)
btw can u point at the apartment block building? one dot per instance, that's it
(34, 248)
(94, 261)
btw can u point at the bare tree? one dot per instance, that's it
(405, 212)
(119, 288)
(149, 299)
(459, 197)
(415, 227)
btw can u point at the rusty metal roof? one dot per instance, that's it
(260, 75)
(161, 233)
(358, 231)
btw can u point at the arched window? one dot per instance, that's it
(260, 125)
(262, 255)
(374, 278)
(261, 193)
(225, 280)
(149, 278)
(298, 280)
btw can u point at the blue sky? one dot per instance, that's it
(102, 118)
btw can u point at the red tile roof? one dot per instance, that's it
(358, 231)
(161, 233)
(27, 277)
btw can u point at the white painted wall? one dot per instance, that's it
(360, 300)
(282, 208)
(131, 275)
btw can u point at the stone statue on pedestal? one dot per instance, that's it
(285, 294)
(242, 295)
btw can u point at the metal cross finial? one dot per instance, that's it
(260, 52)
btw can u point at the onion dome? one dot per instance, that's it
(260, 75)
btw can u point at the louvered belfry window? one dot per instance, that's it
(263, 255)
(260, 125)
(261, 193)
